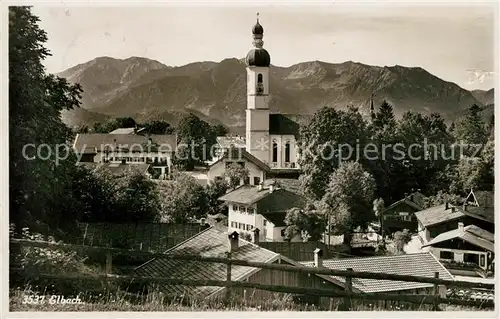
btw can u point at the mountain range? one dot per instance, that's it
(147, 90)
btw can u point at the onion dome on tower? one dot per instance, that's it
(258, 56)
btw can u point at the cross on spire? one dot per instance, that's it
(257, 17)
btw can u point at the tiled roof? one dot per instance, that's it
(212, 242)
(414, 200)
(239, 154)
(99, 141)
(438, 214)
(421, 264)
(471, 234)
(278, 200)
(228, 141)
(482, 213)
(277, 218)
(128, 130)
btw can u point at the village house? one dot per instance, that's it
(401, 214)
(420, 264)
(216, 242)
(117, 168)
(477, 210)
(263, 207)
(156, 150)
(466, 244)
(238, 156)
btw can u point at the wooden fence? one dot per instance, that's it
(347, 294)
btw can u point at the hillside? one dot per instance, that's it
(146, 89)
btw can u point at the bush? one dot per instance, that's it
(33, 261)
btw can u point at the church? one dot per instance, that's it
(269, 149)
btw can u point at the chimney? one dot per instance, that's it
(233, 241)
(452, 209)
(261, 186)
(202, 221)
(318, 258)
(460, 226)
(446, 205)
(256, 232)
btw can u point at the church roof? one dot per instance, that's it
(241, 153)
(287, 124)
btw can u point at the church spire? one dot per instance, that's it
(258, 34)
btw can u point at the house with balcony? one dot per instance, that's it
(155, 150)
(466, 248)
(263, 207)
(477, 209)
(401, 214)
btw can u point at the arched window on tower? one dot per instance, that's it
(275, 152)
(287, 152)
(260, 85)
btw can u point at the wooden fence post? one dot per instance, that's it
(436, 293)
(346, 305)
(108, 268)
(228, 277)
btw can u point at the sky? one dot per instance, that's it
(447, 41)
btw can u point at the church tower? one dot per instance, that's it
(257, 112)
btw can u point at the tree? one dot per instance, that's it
(308, 223)
(347, 202)
(158, 127)
(198, 138)
(219, 130)
(213, 192)
(472, 129)
(401, 238)
(440, 198)
(236, 174)
(182, 198)
(320, 153)
(40, 190)
(385, 116)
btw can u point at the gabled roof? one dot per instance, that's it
(277, 218)
(277, 201)
(236, 154)
(438, 214)
(421, 264)
(128, 130)
(471, 234)
(414, 200)
(99, 141)
(212, 242)
(483, 199)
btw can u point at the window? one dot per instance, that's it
(235, 208)
(228, 164)
(250, 210)
(287, 152)
(218, 178)
(275, 152)
(249, 227)
(446, 255)
(265, 222)
(481, 260)
(241, 226)
(283, 233)
(241, 164)
(243, 209)
(260, 85)
(246, 180)
(256, 180)
(233, 224)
